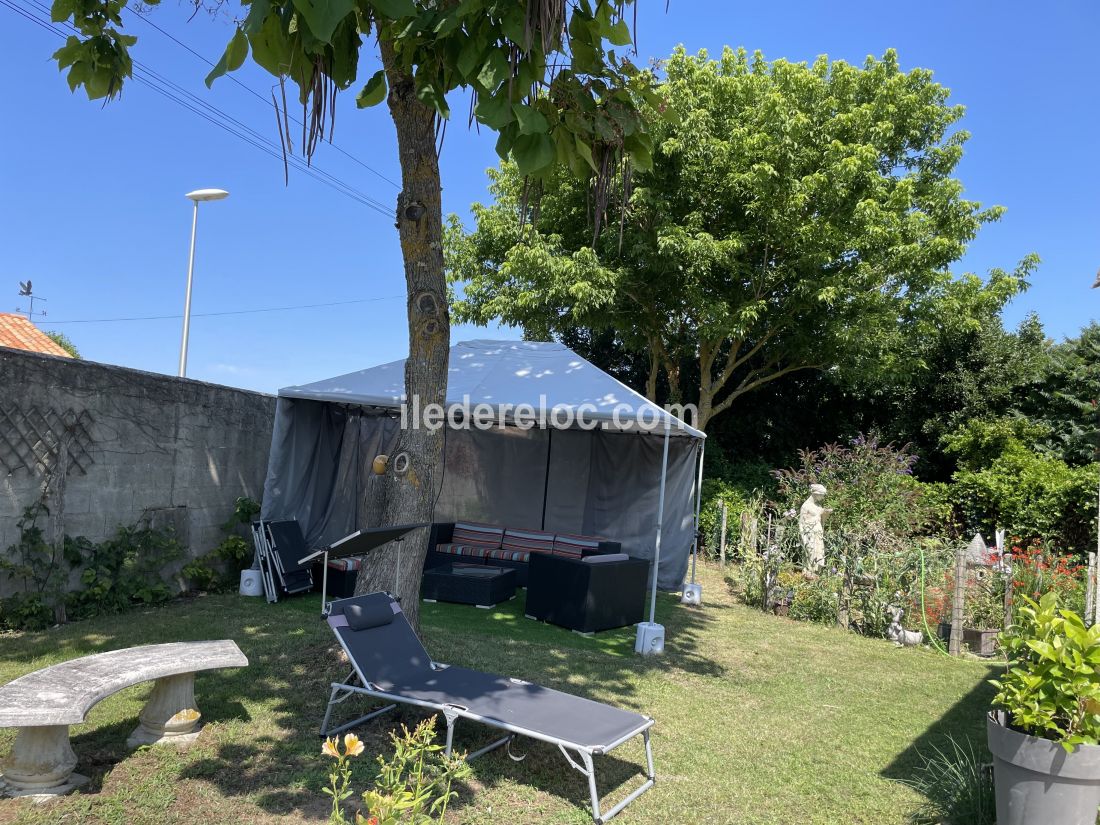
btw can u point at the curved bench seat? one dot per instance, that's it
(43, 704)
(62, 694)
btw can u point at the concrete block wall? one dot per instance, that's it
(156, 447)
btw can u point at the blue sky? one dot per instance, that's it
(92, 205)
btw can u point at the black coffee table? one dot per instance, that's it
(474, 584)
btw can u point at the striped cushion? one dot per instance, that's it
(529, 540)
(345, 564)
(470, 532)
(505, 554)
(569, 545)
(472, 550)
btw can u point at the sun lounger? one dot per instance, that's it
(390, 664)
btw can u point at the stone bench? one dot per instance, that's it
(43, 704)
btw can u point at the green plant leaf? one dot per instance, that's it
(619, 34)
(394, 9)
(374, 92)
(531, 120)
(232, 58)
(494, 110)
(533, 153)
(323, 16)
(494, 70)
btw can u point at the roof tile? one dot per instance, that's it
(19, 333)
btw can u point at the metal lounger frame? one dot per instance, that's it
(452, 713)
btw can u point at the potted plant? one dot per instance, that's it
(1045, 731)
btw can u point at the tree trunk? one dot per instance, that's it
(413, 473)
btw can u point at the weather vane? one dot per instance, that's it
(26, 291)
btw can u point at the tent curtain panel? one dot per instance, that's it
(591, 482)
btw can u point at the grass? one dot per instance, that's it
(759, 719)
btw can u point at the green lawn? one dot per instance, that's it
(759, 719)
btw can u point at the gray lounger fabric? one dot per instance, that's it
(391, 657)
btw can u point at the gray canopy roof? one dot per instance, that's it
(546, 376)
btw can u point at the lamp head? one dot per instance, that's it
(207, 195)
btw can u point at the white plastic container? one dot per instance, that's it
(692, 594)
(251, 583)
(650, 640)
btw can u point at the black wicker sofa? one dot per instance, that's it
(470, 542)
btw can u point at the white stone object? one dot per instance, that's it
(650, 640)
(810, 529)
(691, 594)
(43, 704)
(251, 582)
(899, 635)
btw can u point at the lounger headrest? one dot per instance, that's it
(364, 617)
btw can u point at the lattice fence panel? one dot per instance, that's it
(31, 439)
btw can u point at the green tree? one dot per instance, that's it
(62, 340)
(541, 76)
(794, 213)
(950, 363)
(1065, 399)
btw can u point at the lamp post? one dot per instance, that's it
(196, 196)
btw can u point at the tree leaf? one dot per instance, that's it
(620, 34)
(493, 110)
(469, 59)
(257, 13)
(394, 9)
(494, 70)
(232, 58)
(374, 92)
(531, 120)
(323, 16)
(533, 153)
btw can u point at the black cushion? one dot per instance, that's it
(364, 617)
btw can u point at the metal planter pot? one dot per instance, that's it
(1038, 782)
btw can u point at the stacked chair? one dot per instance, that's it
(279, 548)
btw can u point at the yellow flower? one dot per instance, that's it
(352, 745)
(330, 748)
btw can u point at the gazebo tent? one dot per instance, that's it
(603, 481)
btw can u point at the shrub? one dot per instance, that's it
(812, 598)
(123, 571)
(1037, 570)
(1051, 686)
(867, 482)
(35, 566)
(1033, 495)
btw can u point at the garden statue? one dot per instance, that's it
(899, 635)
(810, 530)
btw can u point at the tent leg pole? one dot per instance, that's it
(324, 587)
(660, 520)
(698, 510)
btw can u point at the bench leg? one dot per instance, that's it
(41, 762)
(170, 715)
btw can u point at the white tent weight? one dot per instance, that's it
(603, 480)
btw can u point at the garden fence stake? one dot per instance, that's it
(1094, 585)
(955, 645)
(1010, 587)
(722, 535)
(1090, 591)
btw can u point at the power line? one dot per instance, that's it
(228, 312)
(172, 91)
(255, 94)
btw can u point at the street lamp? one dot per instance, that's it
(196, 196)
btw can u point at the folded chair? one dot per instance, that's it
(390, 664)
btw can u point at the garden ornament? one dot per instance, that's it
(810, 529)
(899, 635)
